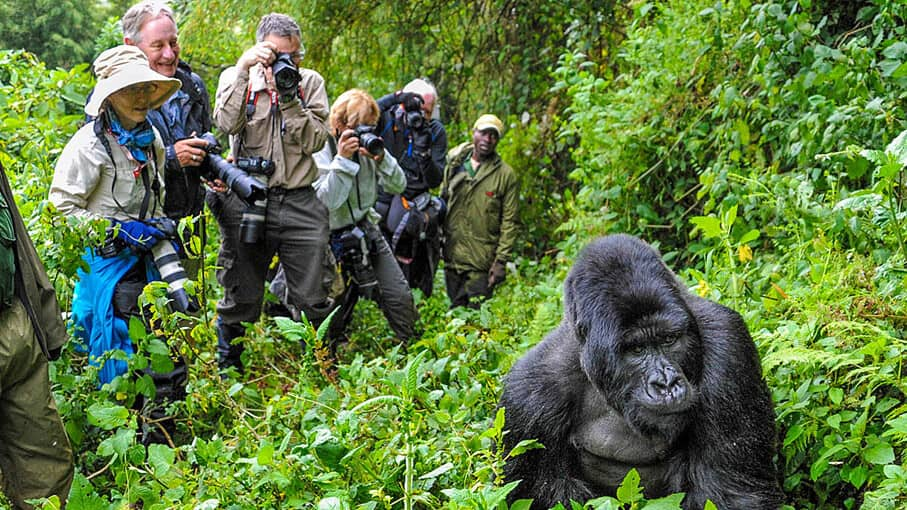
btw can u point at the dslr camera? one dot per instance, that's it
(246, 187)
(368, 139)
(248, 178)
(286, 75)
(413, 109)
(354, 252)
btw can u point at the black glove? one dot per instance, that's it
(411, 101)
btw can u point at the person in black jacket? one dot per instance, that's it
(150, 26)
(35, 456)
(416, 137)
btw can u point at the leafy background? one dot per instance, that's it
(755, 143)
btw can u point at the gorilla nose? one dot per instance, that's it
(667, 385)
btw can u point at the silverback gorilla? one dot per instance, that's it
(641, 374)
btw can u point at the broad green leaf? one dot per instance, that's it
(879, 453)
(107, 416)
(710, 226)
(265, 454)
(161, 458)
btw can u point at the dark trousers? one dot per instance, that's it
(466, 288)
(296, 229)
(392, 294)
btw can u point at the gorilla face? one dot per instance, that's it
(640, 344)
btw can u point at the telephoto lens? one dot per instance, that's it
(246, 187)
(168, 264)
(252, 223)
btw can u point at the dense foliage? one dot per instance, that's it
(756, 143)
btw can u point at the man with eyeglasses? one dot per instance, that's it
(274, 112)
(150, 25)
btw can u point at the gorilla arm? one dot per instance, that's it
(732, 465)
(540, 402)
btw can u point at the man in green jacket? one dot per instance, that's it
(35, 457)
(481, 192)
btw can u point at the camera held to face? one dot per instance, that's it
(286, 75)
(368, 139)
(414, 117)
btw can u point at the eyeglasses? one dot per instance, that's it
(145, 89)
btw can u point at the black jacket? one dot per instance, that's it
(185, 192)
(422, 154)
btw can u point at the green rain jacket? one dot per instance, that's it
(32, 285)
(482, 219)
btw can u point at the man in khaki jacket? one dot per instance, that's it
(274, 111)
(482, 193)
(35, 457)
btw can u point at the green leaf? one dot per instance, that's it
(265, 454)
(671, 502)
(107, 416)
(629, 490)
(750, 236)
(161, 458)
(330, 453)
(83, 496)
(710, 226)
(836, 395)
(438, 471)
(524, 446)
(879, 453)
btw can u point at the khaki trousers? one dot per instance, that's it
(35, 456)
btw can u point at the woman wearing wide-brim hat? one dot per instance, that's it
(113, 168)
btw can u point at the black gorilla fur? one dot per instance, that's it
(641, 373)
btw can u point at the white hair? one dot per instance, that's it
(423, 88)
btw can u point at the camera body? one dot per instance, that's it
(248, 178)
(286, 75)
(368, 139)
(354, 254)
(413, 113)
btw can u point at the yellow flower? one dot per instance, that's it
(744, 253)
(703, 288)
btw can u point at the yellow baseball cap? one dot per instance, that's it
(489, 121)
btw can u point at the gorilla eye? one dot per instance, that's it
(637, 349)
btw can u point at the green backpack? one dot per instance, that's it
(7, 255)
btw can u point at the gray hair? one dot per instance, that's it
(141, 13)
(280, 25)
(424, 87)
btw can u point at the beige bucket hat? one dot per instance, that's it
(122, 66)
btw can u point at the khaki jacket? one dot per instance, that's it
(86, 184)
(482, 215)
(33, 287)
(288, 137)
